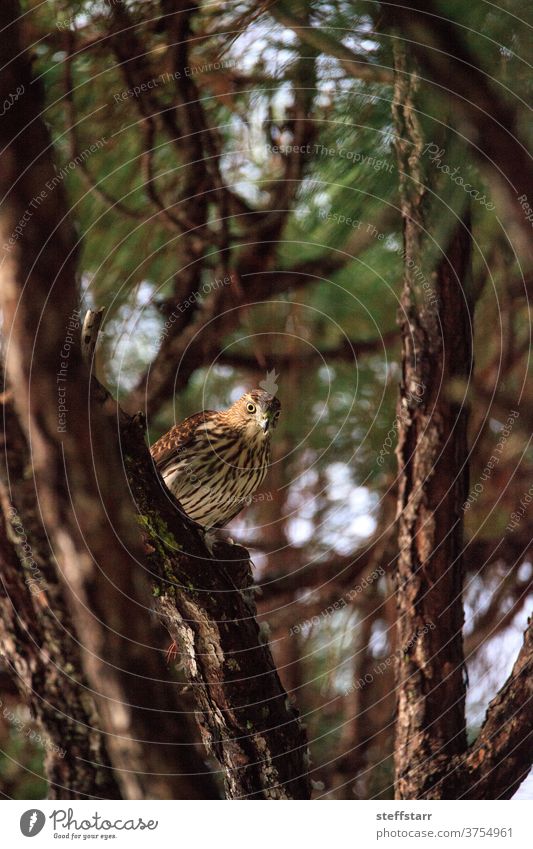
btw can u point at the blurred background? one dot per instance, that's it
(235, 189)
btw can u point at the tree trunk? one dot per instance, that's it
(431, 758)
(38, 639)
(432, 458)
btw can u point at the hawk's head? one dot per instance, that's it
(256, 412)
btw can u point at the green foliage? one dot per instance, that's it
(21, 766)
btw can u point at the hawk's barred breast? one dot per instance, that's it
(214, 461)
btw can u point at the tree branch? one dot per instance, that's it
(348, 352)
(355, 64)
(182, 352)
(501, 756)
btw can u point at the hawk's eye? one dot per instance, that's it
(251, 407)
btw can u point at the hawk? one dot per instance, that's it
(214, 461)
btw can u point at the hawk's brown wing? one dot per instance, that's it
(178, 436)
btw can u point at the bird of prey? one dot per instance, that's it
(215, 460)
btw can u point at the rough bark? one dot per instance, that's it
(38, 640)
(432, 458)
(432, 758)
(246, 718)
(500, 758)
(432, 454)
(93, 504)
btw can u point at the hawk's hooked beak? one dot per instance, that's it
(268, 420)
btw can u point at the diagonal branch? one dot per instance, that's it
(183, 351)
(499, 760)
(354, 64)
(347, 352)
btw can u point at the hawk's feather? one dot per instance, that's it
(215, 460)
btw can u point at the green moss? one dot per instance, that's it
(156, 527)
(165, 547)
